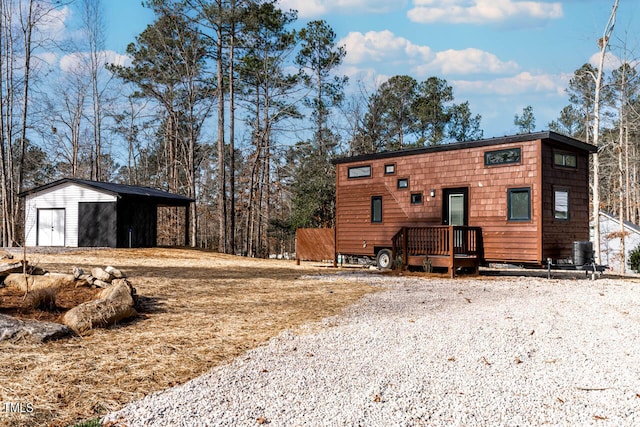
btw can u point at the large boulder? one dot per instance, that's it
(114, 304)
(120, 290)
(30, 330)
(102, 275)
(30, 282)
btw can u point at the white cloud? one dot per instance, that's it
(384, 47)
(48, 58)
(315, 8)
(521, 83)
(611, 61)
(366, 77)
(74, 62)
(381, 46)
(481, 11)
(467, 61)
(52, 21)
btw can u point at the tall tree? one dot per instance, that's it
(368, 127)
(314, 186)
(581, 95)
(22, 24)
(65, 117)
(395, 100)
(624, 83)
(463, 125)
(527, 121)
(168, 61)
(569, 123)
(431, 110)
(222, 22)
(603, 44)
(94, 28)
(268, 92)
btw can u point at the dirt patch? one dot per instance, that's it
(198, 309)
(15, 302)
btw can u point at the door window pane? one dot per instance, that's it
(456, 209)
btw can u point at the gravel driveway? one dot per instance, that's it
(489, 351)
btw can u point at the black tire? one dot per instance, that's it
(383, 259)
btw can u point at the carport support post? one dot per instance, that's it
(186, 224)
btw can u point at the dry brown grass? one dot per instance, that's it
(41, 299)
(199, 309)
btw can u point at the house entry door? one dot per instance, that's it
(455, 208)
(51, 227)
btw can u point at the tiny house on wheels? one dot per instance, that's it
(519, 199)
(80, 213)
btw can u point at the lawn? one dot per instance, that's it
(198, 309)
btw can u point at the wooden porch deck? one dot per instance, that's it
(443, 246)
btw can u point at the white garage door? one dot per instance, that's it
(50, 227)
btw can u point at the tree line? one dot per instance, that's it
(233, 103)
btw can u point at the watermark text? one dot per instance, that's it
(16, 407)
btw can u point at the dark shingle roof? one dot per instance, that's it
(117, 189)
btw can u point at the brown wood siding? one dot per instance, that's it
(463, 168)
(559, 235)
(315, 244)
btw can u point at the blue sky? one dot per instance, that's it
(500, 55)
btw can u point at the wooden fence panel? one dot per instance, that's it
(315, 244)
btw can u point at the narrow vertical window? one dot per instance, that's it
(519, 204)
(376, 209)
(561, 204)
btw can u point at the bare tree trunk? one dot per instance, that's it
(623, 257)
(603, 43)
(95, 30)
(254, 183)
(222, 181)
(266, 207)
(232, 154)
(5, 116)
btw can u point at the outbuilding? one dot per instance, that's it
(610, 242)
(81, 213)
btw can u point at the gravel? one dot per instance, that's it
(500, 351)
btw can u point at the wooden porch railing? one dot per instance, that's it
(444, 246)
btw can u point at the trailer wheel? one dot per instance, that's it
(383, 259)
